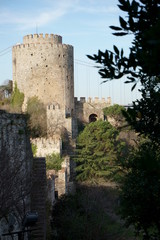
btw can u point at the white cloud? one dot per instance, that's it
(95, 9)
(26, 20)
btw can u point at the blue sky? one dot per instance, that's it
(82, 23)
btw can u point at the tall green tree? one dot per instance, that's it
(97, 150)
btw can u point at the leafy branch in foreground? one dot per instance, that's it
(143, 21)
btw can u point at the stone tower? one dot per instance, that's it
(43, 67)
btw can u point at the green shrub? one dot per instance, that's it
(53, 161)
(37, 122)
(115, 110)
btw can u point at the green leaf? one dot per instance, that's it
(115, 28)
(116, 50)
(91, 57)
(132, 79)
(133, 87)
(103, 75)
(120, 34)
(123, 8)
(123, 23)
(127, 82)
(122, 52)
(135, 5)
(106, 55)
(134, 74)
(122, 2)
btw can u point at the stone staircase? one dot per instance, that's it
(39, 198)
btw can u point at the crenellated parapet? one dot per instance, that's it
(95, 100)
(45, 41)
(40, 38)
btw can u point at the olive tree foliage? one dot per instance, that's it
(143, 21)
(142, 63)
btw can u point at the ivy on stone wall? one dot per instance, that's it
(17, 98)
(37, 122)
(34, 149)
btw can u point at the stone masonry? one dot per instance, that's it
(22, 178)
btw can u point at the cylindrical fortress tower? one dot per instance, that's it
(43, 67)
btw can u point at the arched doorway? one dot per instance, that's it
(92, 118)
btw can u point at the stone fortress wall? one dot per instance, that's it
(46, 146)
(16, 169)
(14, 142)
(86, 108)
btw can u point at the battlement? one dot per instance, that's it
(40, 38)
(95, 100)
(44, 44)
